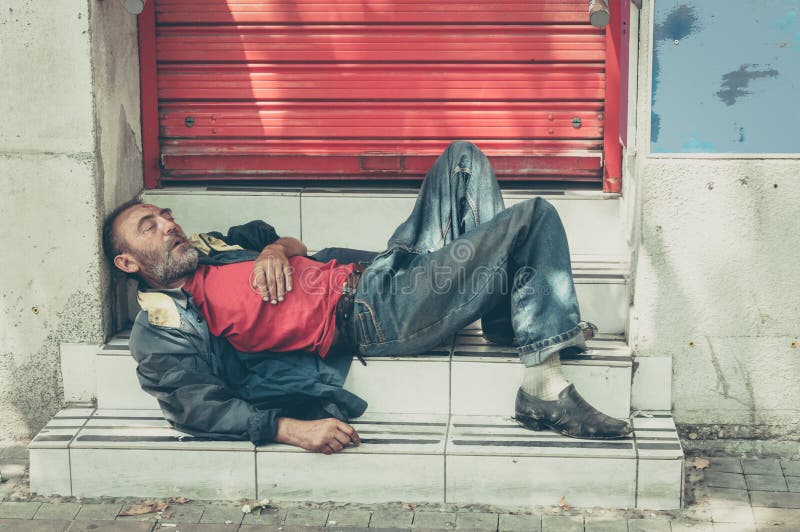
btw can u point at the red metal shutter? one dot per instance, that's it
(320, 90)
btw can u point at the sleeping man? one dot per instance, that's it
(244, 336)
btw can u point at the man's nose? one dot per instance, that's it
(168, 226)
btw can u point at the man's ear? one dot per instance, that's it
(126, 263)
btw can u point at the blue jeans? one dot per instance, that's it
(462, 256)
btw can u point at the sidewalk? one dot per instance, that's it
(722, 494)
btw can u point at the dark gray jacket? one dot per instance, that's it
(208, 389)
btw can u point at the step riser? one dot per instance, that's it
(412, 458)
(366, 220)
(410, 386)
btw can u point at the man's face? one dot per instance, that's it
(155, 246)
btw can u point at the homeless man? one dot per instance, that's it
(460, 256)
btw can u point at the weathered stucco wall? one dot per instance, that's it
(115, 64)
(61, 164)
(716, 286)
(50, 288)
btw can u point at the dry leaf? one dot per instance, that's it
(178, 500)
(409, 506)
(700, 463)
(147, 507)
(562, 502)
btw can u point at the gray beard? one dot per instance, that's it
(165, 268)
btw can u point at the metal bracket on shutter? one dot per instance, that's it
(134, 7)
(382, 163)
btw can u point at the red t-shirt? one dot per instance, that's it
(304, 320)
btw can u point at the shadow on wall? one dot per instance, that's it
(716, 291)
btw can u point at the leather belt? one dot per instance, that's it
(344, 310)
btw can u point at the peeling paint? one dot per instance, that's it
(680, 23)
(734, 84)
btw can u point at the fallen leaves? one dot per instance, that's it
(149, 507)
(252, 506)
(409, 506)
(146, 507)
(700, 463)
(562, 503)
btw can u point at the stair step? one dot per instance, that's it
(467, 376)
(403, 457)
(365, 218)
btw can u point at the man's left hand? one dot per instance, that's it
(273, 274)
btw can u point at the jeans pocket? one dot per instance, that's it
(368, 330)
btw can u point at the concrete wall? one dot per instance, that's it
(715, 285)
(60, 167)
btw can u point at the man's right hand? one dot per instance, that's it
(321, 435)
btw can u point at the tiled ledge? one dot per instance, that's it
(409, 457)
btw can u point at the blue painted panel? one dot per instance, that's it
(726, 76)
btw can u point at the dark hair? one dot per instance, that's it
(112, 243)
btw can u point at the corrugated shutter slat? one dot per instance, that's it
(259, 90)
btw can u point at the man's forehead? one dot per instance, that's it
(132, 215)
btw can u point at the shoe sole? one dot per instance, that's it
(534, 424)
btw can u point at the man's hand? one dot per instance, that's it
(322, 435)
(273, 274)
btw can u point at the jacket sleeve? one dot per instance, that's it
(255, 235)
(191, 397)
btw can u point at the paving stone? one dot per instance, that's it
(222, 514)
(685, 525)
(648, 525)
(562, 523)
(606, 525)
(728, 497)
(18, 510)
(291, 528)
(734, 527)
(195, 527)
(63, 510)
(99, 512)
(725, 465)
(777, 516)
(440, 520)
(306, 517)
(761, 466)
(791, 468)
(118, 526)
(476, 521)
(729, 506)
(793, 483)
(520, 523)
(268, 528)
(269, 517)
(345, 517)
(773, 499)
(766, 483)
(726, 480)
(26, 525)
(391, 519)
(183, 513)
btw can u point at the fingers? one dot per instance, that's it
(260, 282)
(273, 278)
(350, 433)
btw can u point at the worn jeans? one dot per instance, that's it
(461, 256)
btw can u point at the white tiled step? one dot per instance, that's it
(468, 376)
(403, 457)
(365, 218)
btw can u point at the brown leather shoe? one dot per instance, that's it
(570, 415)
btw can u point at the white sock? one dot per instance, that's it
(546, 380)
